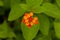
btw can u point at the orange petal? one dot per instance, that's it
(24, 17)
(36, 22)
(27, 15)
(31, 14)
(33, 21)
(30, 19)
(35, 18)
(29, 26)
(27, 23)
(26, 20)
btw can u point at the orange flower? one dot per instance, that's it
(35, 18)
(29, 26)
(24, 21)
(31, 14)
(27, 23)
(31, 23)
(29, 20)
(27, 15)
(36, 22)
(24, 17)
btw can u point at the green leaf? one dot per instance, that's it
(17, 11)
(1, 3)
(38, 37)
(57, 28)
(51, 10)
(11, 34)
(14, 2)
(29, 34)
(58, 2)
(33, 3)
(37, 9)
(19, 36)
(42, 37)
(44, 24)
(3, 30)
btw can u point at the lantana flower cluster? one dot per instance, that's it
(29, 20)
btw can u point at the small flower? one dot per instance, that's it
(29, 26)
(31, 14)
(24, 17)
(27, 15)
(24, 21)
(27, 23)
(29, 20)
(35, 18)
(31, 23)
